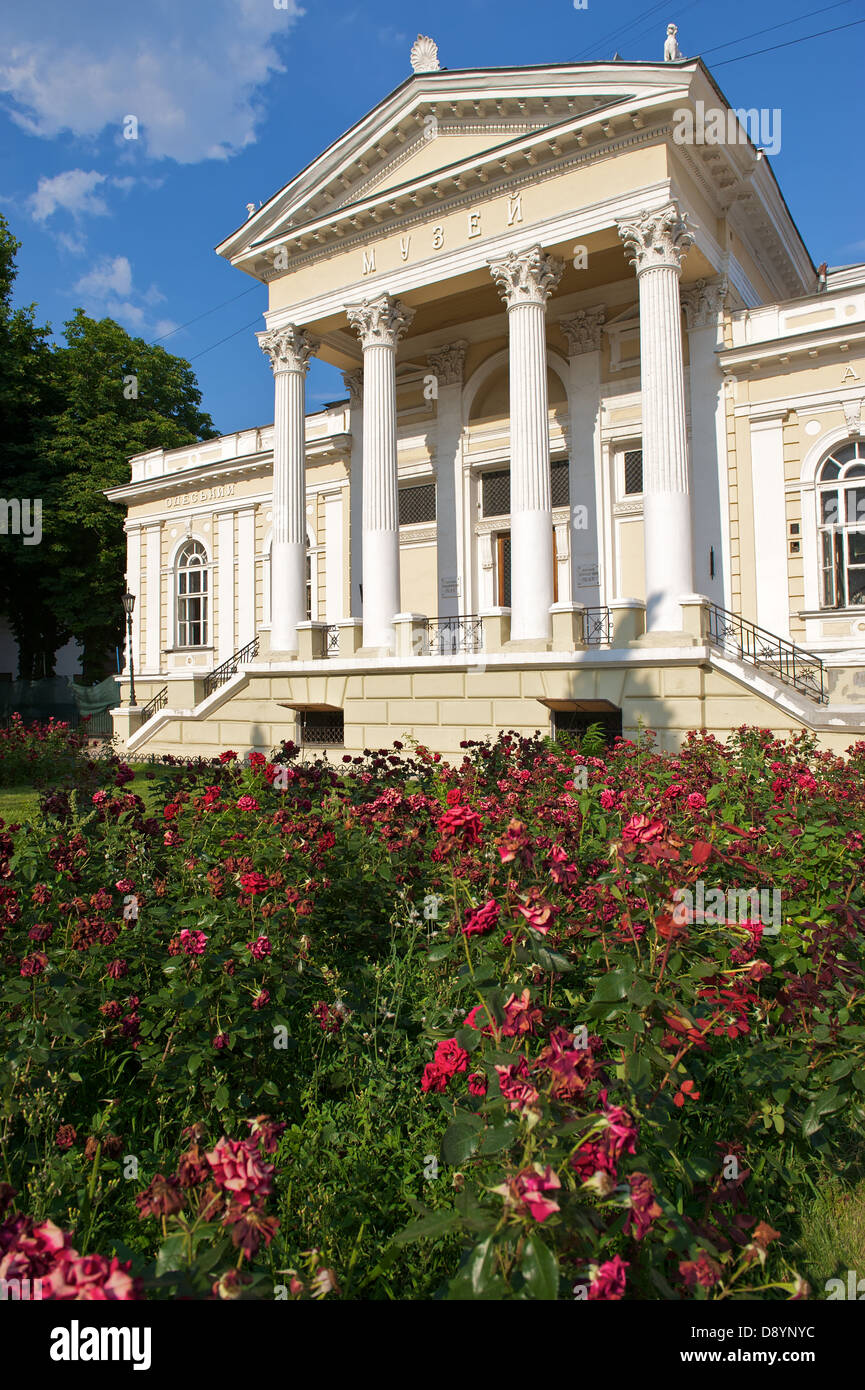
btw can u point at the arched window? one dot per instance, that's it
(192, 595)
(841, 503)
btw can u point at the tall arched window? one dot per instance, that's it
(841, 503)
(192, 596)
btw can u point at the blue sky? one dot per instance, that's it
(233, 97)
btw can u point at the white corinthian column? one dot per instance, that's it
(656, 244)
(380, 323)
(525, 279)
(289, 350)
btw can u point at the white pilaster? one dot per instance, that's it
(380, 323)
(133, 585)
(770, 524)
(289, 350)
(583, 333)
(354, 386)
(246, 579)
(334, 572)
(225, 586)
(703, 305)
(153, 627)
(525, 280)
(446, 366)
(656, 244)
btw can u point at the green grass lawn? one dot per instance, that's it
(21, 802)
(18, 803)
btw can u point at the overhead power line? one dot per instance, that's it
(237, 331)
(233, 300)
(789, 44)
(810, 14)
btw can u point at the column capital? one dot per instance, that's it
(583, 330)
(526, 277)
(289, 349)
(703, 302)
(657, 240)
(447, 362)
(380, 322)
(354, 385)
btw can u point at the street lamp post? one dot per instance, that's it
(128, 605)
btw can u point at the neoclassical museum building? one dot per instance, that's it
(600, 457)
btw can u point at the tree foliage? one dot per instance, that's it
(71, 415)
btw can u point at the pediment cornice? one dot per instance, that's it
(521, 106)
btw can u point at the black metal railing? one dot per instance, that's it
(159, 701)
(454, 636)
(599, 627)
(230, 667)
(789, 663)
(331, 640)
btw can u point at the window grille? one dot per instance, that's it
(633, 471)
(496, 493)
(321, 727)
(560, 489)
(417, 504)
(496, 489)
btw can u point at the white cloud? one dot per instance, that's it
(189, 73)
(73, 191)
(72, 242)
(108, 277)
(108, 290)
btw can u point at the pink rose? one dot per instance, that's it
(239, 1169)
(609, 1281)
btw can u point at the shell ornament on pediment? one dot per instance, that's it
(425, 55)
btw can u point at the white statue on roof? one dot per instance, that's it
(671, 46)
(424, 55)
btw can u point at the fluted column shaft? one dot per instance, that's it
(525, 280)
(657, 243)
(289, 350)
(380, 323)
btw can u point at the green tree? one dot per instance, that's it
(28, 399)
(120, 396)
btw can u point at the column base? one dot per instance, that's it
(528, 644)
(665, 639)
(373, 653)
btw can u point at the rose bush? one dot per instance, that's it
(510, 1054)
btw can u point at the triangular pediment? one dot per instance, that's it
(449, 124)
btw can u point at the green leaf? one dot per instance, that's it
(641, 994)
(220, 1099)
(551, 960)
(614, 986)
(171, 1254)
(459, 1143)
(440, 950)
(469, 1038)
(478, 1276)
(438, 1223)
(540, 1268)
(638, 1070)
(498, 1138)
